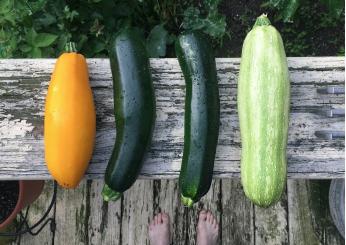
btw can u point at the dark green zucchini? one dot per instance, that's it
(202, 112)
(134, 107)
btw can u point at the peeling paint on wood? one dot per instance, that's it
(36, 211)
(23, 85)
(72, 215)
(167, 199)
(137, 212)
(211, 201)
(271, 224)
(105, 217)
(237, 214)
(84, 218)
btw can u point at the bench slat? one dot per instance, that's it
(23, 86)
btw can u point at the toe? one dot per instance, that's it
(203, 215)
(209, 216)
(156, 219)
(159, 218)
(165, 218)
(214, 221)
(151, 224)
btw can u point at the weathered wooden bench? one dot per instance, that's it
(312, 151)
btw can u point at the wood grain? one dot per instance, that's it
(23, 85)
(271, 224)
(137, 213)
(211, 202)
(302, 216)
(167, 199)
(309, 218)
(105, 219)
(73, 212)
(36, 211)
(238, 219)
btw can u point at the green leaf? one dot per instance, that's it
(99, 46)
(36, 6)
(192, 20)
(7, 49)
(31, 36)
(157, 41)
(44, 40)
(5, 6)
(82, 39)
(3, 36)
(35, 53)
(215, 25)
(46, 19)
(25, 48)
(287, 8)
(211, 4)
(290, 9)
(70, 15)
(335, 7)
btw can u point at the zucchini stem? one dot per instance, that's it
(110, 195)
(262, 21)
(70, 47)
(187, 201)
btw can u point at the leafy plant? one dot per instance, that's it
(156, 41)
(308, 34)
(288, 8)
(41, 28)
(335, 7)
(213, 23)
(34, 42)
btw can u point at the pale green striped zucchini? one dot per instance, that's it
(263, 107)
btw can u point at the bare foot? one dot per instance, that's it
(207, 229)
(159, 233)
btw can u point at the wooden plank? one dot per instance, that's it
(271, 224)
(237, 214)
(309, 217)
(137, 211)
(82, 217)
(36, 211)
(211, 201)
(167, 199)
(72, 215)
(321, 219)
(105, 217)
(23, 85)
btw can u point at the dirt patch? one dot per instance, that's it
(312, 33)
(9, 191)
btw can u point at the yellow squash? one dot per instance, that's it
(70, 120)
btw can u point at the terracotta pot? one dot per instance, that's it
(29, 191)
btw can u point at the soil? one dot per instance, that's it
(240, 16)
(313, 31)
(9, 191)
